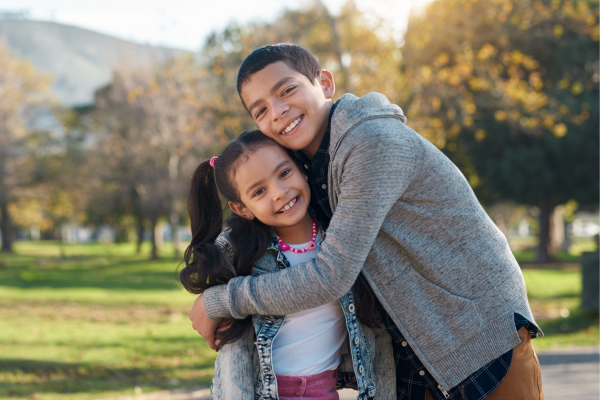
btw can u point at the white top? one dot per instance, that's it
(309, 341)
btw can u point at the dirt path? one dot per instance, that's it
(571, 373)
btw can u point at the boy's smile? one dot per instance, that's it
(288, 108)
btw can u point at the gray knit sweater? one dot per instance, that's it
(406, 216)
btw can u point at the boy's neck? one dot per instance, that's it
(313, 147)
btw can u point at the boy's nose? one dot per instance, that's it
(279, 109)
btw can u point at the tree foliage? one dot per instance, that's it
(509, 90)
(23, 90)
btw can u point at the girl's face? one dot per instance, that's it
(271, 188)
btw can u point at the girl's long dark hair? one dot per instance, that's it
(204, 263)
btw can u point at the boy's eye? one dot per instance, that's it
(259, 113)
(286, 91)
(258, 192)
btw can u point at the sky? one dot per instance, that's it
(184, 24)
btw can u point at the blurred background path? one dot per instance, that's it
(571, 373)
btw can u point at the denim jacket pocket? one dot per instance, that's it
(445, 320)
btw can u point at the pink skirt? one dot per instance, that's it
(314, 387)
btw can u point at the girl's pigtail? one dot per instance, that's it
(249, 240)
(203, 259)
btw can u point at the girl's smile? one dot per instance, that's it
(273, 189)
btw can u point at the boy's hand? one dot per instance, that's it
(202, 324)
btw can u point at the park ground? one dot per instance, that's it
(98, 321)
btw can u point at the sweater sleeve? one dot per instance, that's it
(378, 164)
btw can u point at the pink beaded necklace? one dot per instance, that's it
(310, 246)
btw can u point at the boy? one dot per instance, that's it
(402, 214)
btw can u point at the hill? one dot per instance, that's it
(80, 60)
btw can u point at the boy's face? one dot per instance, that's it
(288, 108)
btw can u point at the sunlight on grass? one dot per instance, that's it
(92, 321)
(82, 322)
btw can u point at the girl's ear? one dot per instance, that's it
(240, 210)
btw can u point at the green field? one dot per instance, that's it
(94, 321)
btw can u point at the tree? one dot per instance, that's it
(23, 91)
(148, 133)
(509, 90)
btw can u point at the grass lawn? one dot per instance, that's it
(93, 321)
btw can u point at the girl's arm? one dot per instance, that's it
(379, 164)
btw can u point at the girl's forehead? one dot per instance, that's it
(260, 165)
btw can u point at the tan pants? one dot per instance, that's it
(523, 380)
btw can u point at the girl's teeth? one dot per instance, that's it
(287, 207)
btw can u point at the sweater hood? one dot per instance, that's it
(352, 110)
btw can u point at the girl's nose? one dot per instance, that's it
(280, 192)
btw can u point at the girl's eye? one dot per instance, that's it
(258, 192)
(288, 90)
(285, 172)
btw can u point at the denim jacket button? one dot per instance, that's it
(356, 340)
(404, 344)
(351, 308)
(361, 370)
(421, 372)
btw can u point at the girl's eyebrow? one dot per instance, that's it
(255, 184)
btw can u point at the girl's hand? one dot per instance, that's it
(202, 324)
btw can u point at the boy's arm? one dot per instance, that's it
(377, 169)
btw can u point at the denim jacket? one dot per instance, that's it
(244, 368)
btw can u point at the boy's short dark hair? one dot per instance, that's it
(293, 55)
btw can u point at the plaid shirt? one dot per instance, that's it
(412, 379)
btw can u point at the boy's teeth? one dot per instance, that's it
(292, 126)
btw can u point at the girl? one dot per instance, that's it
(310, 353)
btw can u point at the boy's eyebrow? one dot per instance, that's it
(276, 86)
(255, 184)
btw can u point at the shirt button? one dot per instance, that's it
(351, 308)
(324, 186)
(440, 387)
(356, 340)
(404, 344)
(421, 373)
(361, 370)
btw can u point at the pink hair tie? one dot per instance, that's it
(212, 161)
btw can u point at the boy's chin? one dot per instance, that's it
(293, 142)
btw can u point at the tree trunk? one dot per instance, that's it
(545, 249)
(139, 229)
(5, 227)
(154, 244)
(331, 21)
(174, 217)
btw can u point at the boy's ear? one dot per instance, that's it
(240, 210)
(325, 79)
